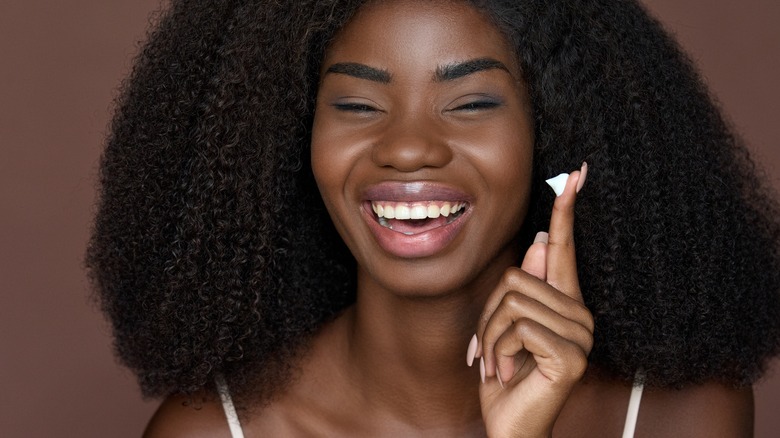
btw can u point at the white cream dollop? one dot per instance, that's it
(558, 183)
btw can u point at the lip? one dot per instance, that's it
(424, 244)
(397, 191)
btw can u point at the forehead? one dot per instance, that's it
(397, 31)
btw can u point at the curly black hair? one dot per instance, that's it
(212, 252)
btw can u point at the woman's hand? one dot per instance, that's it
(535, 333)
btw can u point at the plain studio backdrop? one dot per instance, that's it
(60, 65)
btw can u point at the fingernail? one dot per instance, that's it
(472, 350)
(498, 375)
(542, 236)
(482, 369)
(558, 183)
(583, 175)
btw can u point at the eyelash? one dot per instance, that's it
(354, 107)
(478, 105)
(469, 107)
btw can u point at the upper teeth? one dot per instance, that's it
(419, 210)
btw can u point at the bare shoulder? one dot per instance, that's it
(178, 416)
(598, 408)
(708, 410)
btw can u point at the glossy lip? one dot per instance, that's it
(419, 245)
(396, 191)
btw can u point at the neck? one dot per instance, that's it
(408, 354)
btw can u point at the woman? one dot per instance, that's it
(428, 128)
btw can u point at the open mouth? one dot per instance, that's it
(412, 218)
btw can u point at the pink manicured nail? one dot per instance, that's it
(482, 369)
(472, 350)
(583, 175)
(542, 236)
(498, 375)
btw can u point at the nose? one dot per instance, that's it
(410, 144)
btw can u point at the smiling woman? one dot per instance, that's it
(312, 211)
(446, 124)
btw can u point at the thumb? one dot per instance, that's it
(535, 260)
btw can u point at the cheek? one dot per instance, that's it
(515, 158)
(325, 161)
(334, 159)
(328, 174)
(505, 158)
(318, 136)
(506, 166)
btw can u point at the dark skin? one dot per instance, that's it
(431, 101)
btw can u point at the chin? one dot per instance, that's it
(438, 277)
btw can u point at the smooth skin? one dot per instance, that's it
(393, 364)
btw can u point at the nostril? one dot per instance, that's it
(408, 158)
(409, 155)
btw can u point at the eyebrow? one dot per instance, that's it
(360, 71)
(443, 73)
(457, 70)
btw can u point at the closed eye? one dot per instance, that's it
(354, 107)
(477, 105)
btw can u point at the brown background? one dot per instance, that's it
(60, 64)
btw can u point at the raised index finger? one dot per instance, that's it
(561, 256)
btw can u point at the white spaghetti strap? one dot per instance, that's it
(228, 407)
(633, 405)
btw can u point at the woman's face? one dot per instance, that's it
(422, 144)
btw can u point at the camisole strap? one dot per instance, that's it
(237, 432)
(228, 407)
(633, 404)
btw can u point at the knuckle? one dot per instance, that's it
(579, 365)
(512, 300)
(562, 240)
(587, 342)
(587, 319)
(583, 315)
(501, 346)
(576, 363)
(563, 205)
(523, 327)
(511, 275)
(565, 242)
